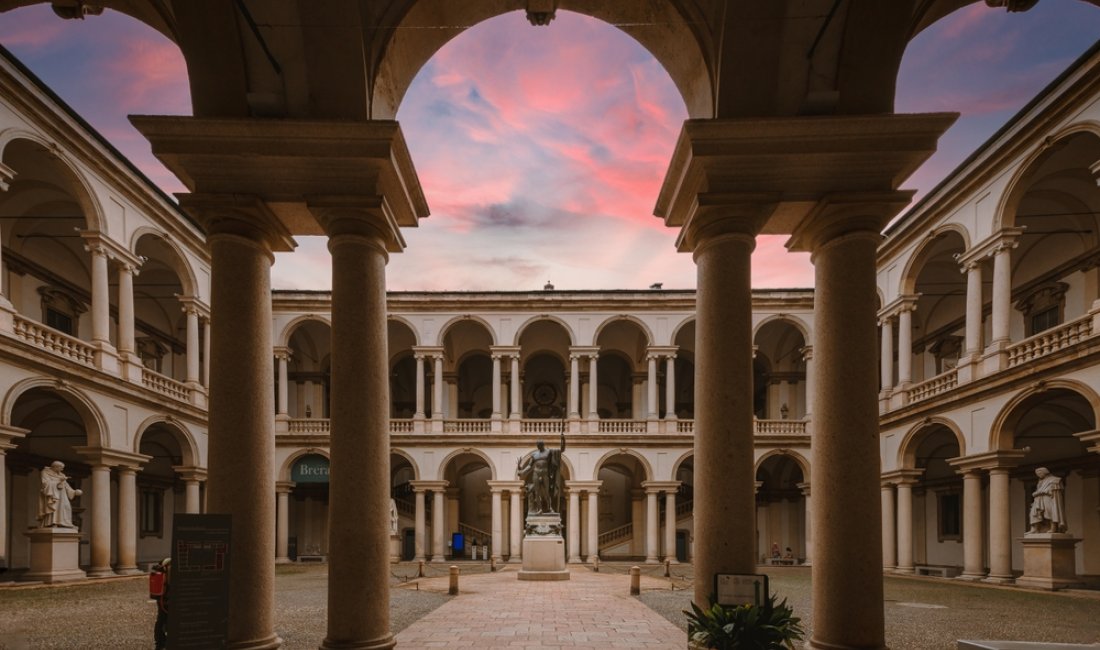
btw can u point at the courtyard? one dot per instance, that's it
(592, 610)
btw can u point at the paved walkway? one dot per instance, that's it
(590, 610)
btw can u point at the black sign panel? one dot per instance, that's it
(198, 600)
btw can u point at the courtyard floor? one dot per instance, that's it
(591, 610)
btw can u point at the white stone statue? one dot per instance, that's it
(55, 508)
(393, 517)
(1048, 509)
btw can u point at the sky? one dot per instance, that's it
(541, 150)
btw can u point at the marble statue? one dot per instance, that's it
(55, 508)
(1048, 510)
(541, 475)
(393, 517)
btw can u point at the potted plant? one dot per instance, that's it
(770, 626)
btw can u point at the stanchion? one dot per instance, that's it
(420, 569)
(668, 574)
(453, 588)
(635, 581)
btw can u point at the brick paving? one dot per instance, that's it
(590, 610)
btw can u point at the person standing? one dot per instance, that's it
(159, 585)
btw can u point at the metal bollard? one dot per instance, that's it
(453, 588)
(635, 581)
(420, 569)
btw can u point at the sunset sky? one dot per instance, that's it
(541, 150)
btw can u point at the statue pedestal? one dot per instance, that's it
(1049, 561)
(543, 549)
(55, 555)
(395, 548)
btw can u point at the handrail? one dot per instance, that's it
(621, 426)
(308, 425)
(467, 426)
(941, 383)
(1051, 340)
(157, 382)
(53, 341)
(780, 427)
(554, 425)
(614, 535)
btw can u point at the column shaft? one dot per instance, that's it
(574, 526)
(515, 398)
(496, 524)
(651, 388)
(574, 386)
(515, 522)
(437, 526)
(905, 347)
(282, 526)
(593, 524)
(889, 529)
(419, 387)
(1002, 295)
(5, 561)
(973, 309)
(241, 425)
(651, 526)
(192, 503)
(593, 389)
(100, 537)
(1000, 528)
(127, 521)
(887, 379)
(905, 528)
(972, 525)
(101, 298)
(437, 388)
(809, 550)
(670, 526)
(419, 526)
(847, 578)
(670, 387)
(125, 309)
(723, 412)
(206, 352)
(192, 345)
(496, 387)
(284, 387)
(359, 479)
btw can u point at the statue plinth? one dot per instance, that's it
(543, 549)
(55, 555)
(395, 548)
(1049, 561)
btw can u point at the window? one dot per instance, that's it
(60, 322)
(1044, 320)
(949, 507)
(60, 310)
(1044, 307)
(152, 512)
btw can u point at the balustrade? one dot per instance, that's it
(1051, 340)
(54, 341)
(157, 382)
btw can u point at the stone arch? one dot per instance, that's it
(182, 264)
(917, 259)
(82, 190)
(678, 327)
(624, 451)
(677, 46)
(284, 469)
(684, 457)
(465, 317)
(796, 321)
(545, 317)
(619, 318)
(1002, 433)
(95, 424)
(181, 434)
(907, 451)
(287, 331)
(1018, 185)
(409, 458)
(441, 469)
(802, 462)
(407, 323)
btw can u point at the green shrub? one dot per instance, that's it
(770, 626)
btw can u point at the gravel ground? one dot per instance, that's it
(931, 613)
(921, 613)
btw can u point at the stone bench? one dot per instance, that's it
(936, 569)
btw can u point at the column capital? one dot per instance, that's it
(191, 472)
(1090, 438)
(805, 487)
(662, 350)
(193, 305)
(504, 350)
(902, 476)
(428, 486)
(505, 485)
(369, 217)
(1003, 458)
(584, 351)
(283, 353)
(9, 434)
(661, 486)
(239, 215)
(904, 302)
(847, 214)
(584, 486)
(807, 352)
(428, 351)
(284, 487)
(113, 458)
(1002, 240)
(99, 243)
(7, 174)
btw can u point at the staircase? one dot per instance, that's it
(469, 532)
(616, 536)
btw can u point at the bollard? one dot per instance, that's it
(453, 588)
(635, 581)
(492, 564)
(420, 569)
(668, 573)
(596, 564)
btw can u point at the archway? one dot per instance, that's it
(781, 510)
(779, 371)
(934, 533)
(308, 372)
(622, 506)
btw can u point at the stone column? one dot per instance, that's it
(282, 521)
(192, 312)
(517, 404)
(496, 526)
(887, 356)
(206, 352)
(437, 386)
(100, 533)
(419, 414)
(282, 355)
(126, 346)
(1000, 527)
(127, 521)
(889, 528)
(1002, 294)
(192, 501)
(905, 347)
(101, 298)
(651, 525)
(593, 388)
(593, 524)
(807, 359)
(574, 526)
(724, 535)
(496, 415)
(574, 386)
(670, 526)
(651, 387)
(905, 526)
(242, 414)
(8, 436)
(418, 525)
(973, 568)
(973, 330)
(437, 526)
(670, 391)
(809, 550)
(515, 521)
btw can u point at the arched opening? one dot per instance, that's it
(160, 326)
(939, 318)
(779, 372)
(544, 378)
(685, 508)
(622, 373)
(937, 497)
(468, 500)
(160, 490)
(402, 474)
(780, 510)
(622, 507)
(685, 371)
(468, 371)
(308, 371)
(308, 507)
(400, 341)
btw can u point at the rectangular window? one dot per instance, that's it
(950, 516)
(59, 321)
(152, 513)
(1044, 320)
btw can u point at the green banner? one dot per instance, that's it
(311, 468)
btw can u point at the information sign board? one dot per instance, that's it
(734, 589)
(198, 597)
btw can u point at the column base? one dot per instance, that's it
(905, 571)
(100, 572)
(282, 560)
(575, 560)
(651, 560)
(971, 577)
(672, 560)
(376, 644)
(999, 580)
(127, 571)
(272, 642)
